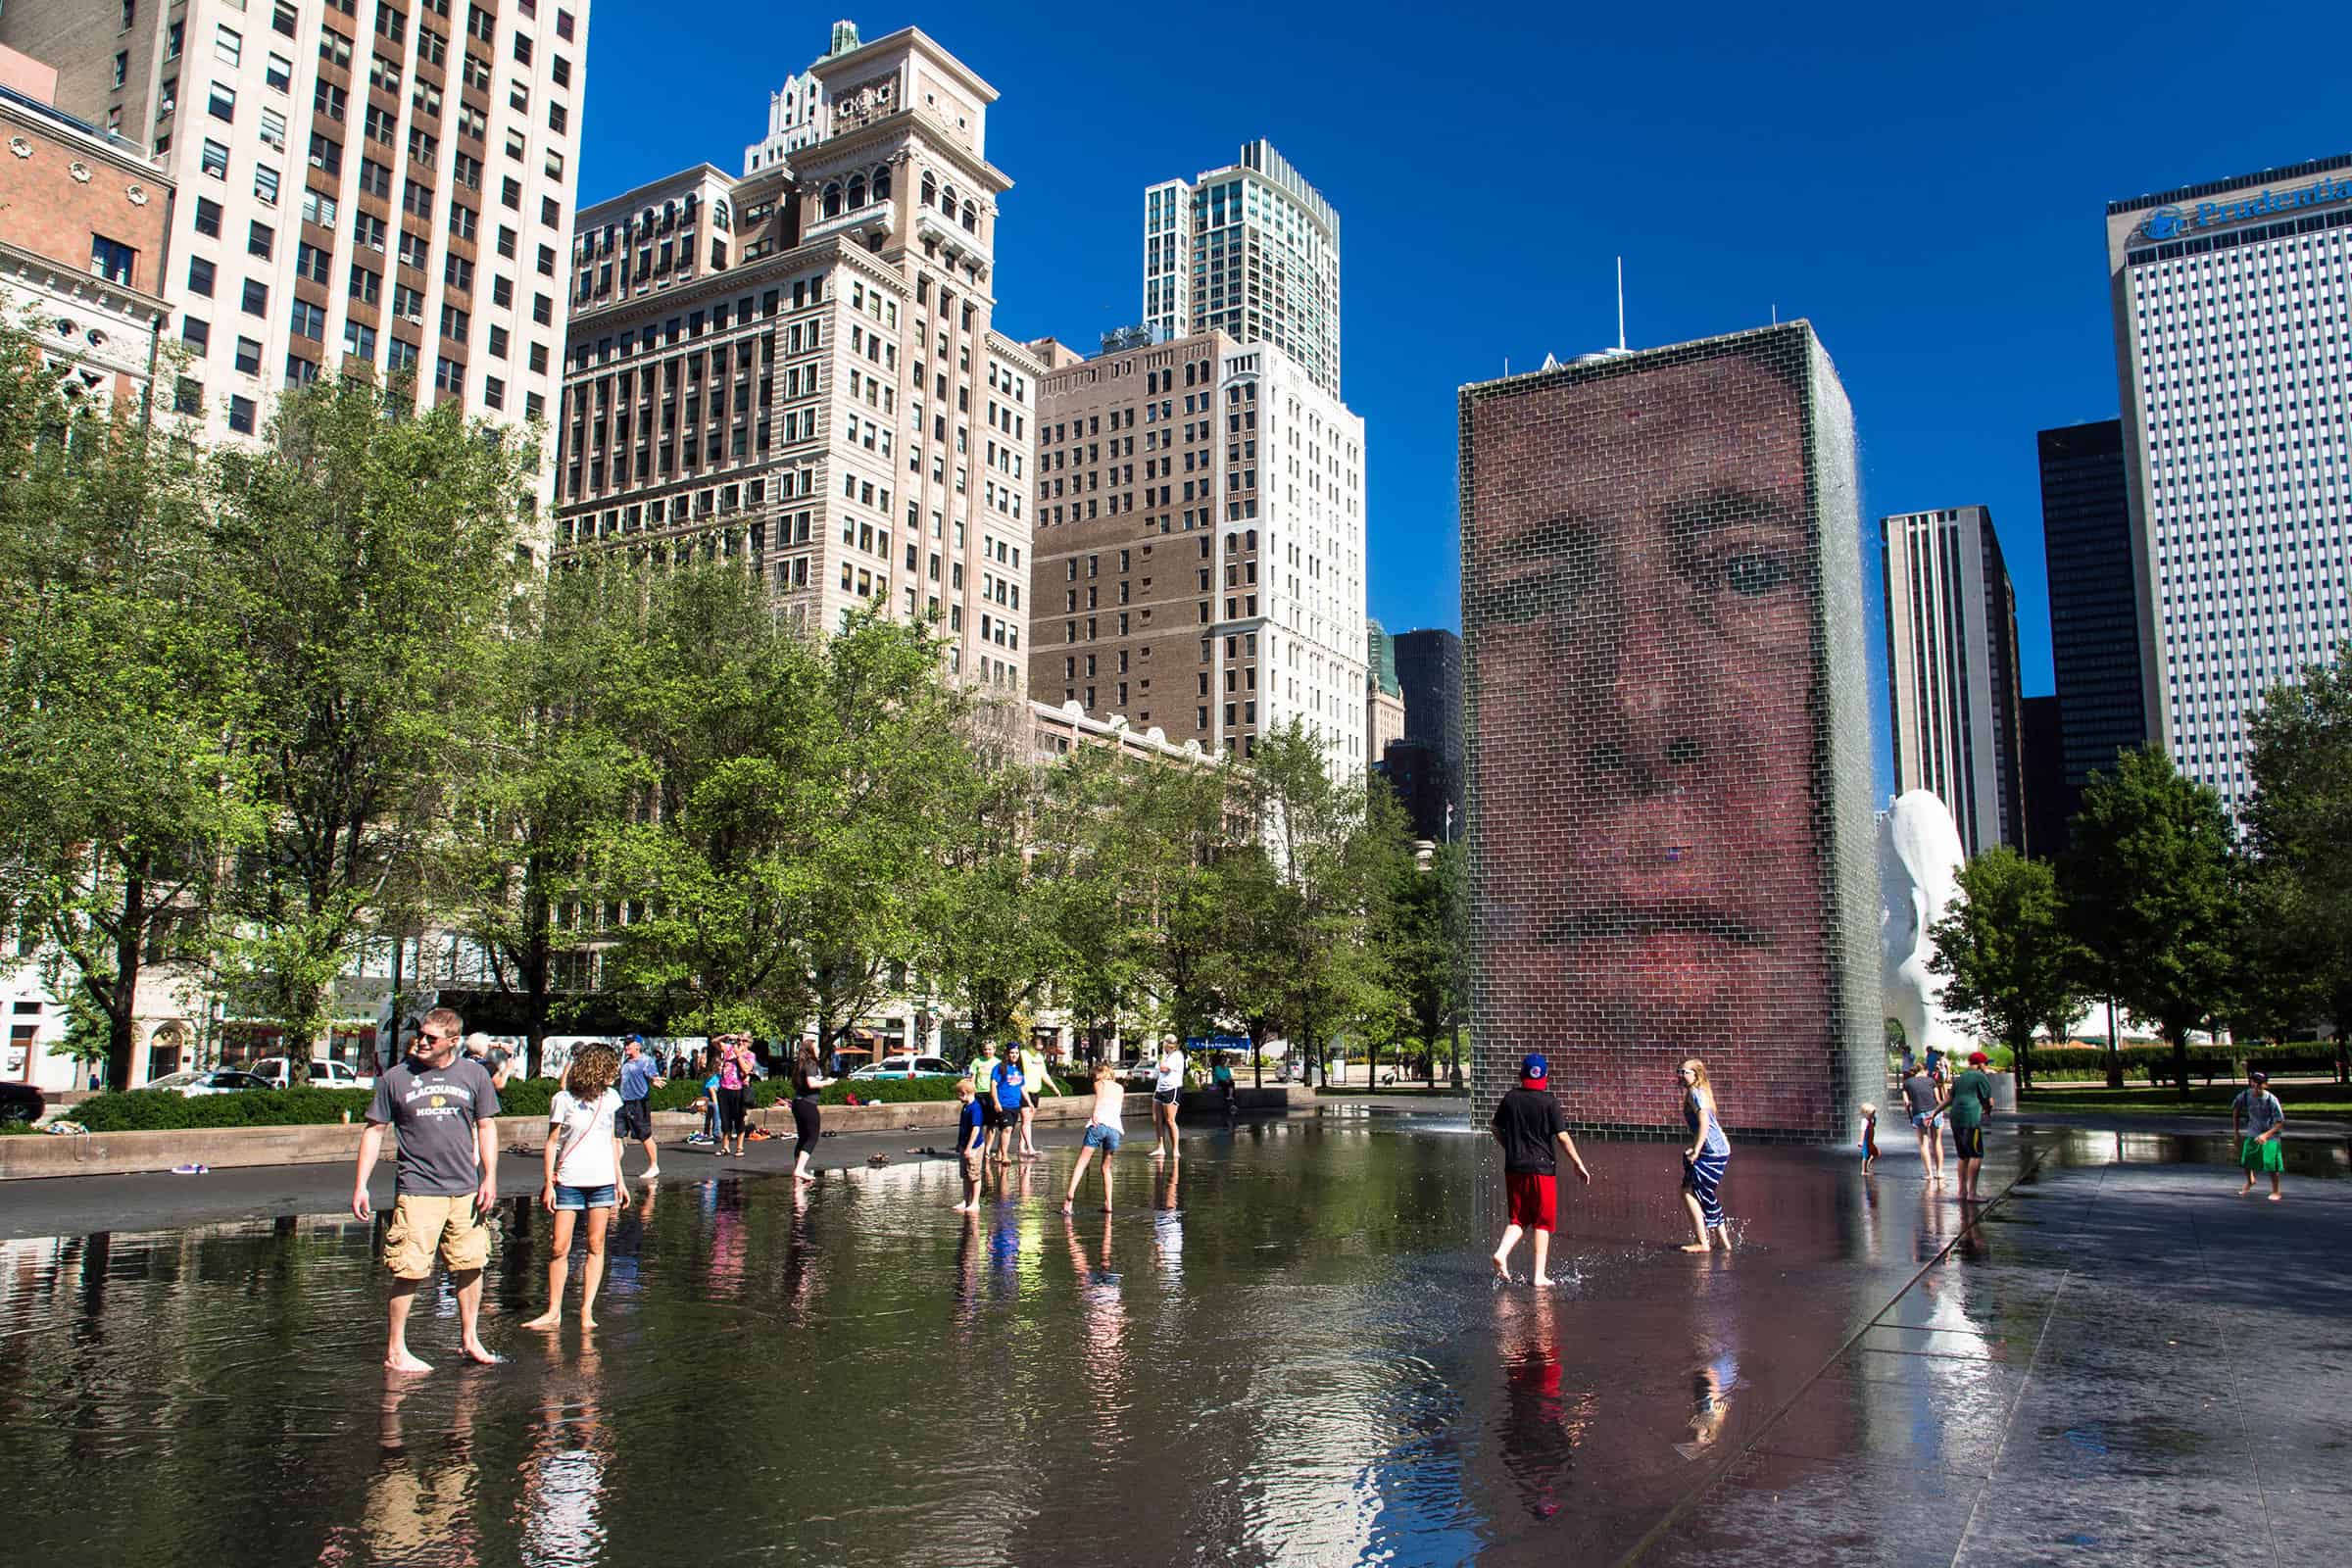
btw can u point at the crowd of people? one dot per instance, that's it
(442, 1101)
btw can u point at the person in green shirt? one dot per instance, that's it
(1968, 1100)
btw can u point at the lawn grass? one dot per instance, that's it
(2308, 1100)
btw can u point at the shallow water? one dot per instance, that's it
(1286, 1352)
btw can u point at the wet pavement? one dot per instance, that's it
(1289, 1353)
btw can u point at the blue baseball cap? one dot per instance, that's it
(1533, 1069)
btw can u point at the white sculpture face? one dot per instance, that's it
(1919, 868)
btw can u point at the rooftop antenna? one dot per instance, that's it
(1621, 305)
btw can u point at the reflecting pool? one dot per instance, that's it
(1287, 1349)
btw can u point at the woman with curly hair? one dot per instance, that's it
(583, 1176)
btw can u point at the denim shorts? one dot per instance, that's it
(606, 1197)
(1106, 1139)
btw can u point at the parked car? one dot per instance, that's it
(897, 1067)
(21, 1102)
(219, 1081)
(271, 1070)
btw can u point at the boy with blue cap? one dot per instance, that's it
(1529, 1124)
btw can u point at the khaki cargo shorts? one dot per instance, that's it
(421, 1219)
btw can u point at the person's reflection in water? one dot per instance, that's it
(1711, 1383)
(1540, 1424)
(1168, 1224)
(968, 1254)
(570, 1452)
(802, 1274)
(420, 1506)
(1102, 1307)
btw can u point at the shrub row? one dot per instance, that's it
(2214, 1061)
(138, 1110)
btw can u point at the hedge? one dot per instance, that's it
(137, 1110)
(2204, 1061)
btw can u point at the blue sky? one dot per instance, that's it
(1927, 186)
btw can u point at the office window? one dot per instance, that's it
(310, 321)
(509, 193)
(121, 68)
(400, 354)
(280, 73)
(449, 375)
(312, 263)
(374, 179)
(215, 160)
(208, 214)
(112, 260)
(256, 297)
(455, 323)
(494, 392)
(273, 129)
(228, 47)
(359, 340)
(200, 275)
(319, 209)
(327, 156)
(498, 342)
(197, 336)
(285, 18)
(328, 100)
(264, 184)
(366, 285)
(259, 240)
(240, 415)
(249, 356)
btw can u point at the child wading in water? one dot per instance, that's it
(2257, 1117)
(1530, 1126)
(1869, 1136)
(583, 1176)
(1105, 1129)
(1704, 1162)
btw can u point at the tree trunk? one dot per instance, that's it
(2115, 1055)
(1257, 1058)
(121, 1004)
(1371, 1065)
(2181, 1060)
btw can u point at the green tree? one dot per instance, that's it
(1419, 943)
(550, 784)
(2299, 826)
(374, 559)
(2008, 962)
(983, 928)
(722, 707)
(1305, 894)
(2151, 894)
(122, 702)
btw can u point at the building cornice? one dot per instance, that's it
(630, 202)
(923, 43)
(714, 286)
(812, 163)
(60, 127)
(58, 277)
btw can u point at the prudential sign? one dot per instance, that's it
(2173, 223)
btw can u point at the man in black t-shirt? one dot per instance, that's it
(1527, 1123)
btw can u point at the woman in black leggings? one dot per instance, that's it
(806, 1124)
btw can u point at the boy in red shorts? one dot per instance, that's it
(1527, 1123)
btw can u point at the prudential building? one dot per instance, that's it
(2233, 346)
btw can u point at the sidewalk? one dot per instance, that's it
(2120, 1362)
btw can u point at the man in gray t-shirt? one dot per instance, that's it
(442, 1105)
(2258, 1120)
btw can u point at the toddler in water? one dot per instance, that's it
(1869, 1135)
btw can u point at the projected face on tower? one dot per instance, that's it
(1641, 603)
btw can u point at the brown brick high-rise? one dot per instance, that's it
(1668, 736)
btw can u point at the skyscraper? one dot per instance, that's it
(1251, 250)
(1383, 698)
(2230, 328)
(1671, 838)
(386, 185)
(1951, 670)
(2095, 643)
(1429, 668)
(1199, 544)
(796, 367)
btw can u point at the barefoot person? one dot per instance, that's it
(807, 1122)
(1924, 1097)
(1167, 1093)
(583, 1176)
(640, 1076)
(971, 1143)
(2257, 1120)
(1531, 1127)
(1968, 1100)
(1009, 1090)
(1105, 1130)
(441, 1104)
(1704, 1162)
(1040, 1081)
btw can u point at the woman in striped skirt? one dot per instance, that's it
(1704, 1162)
